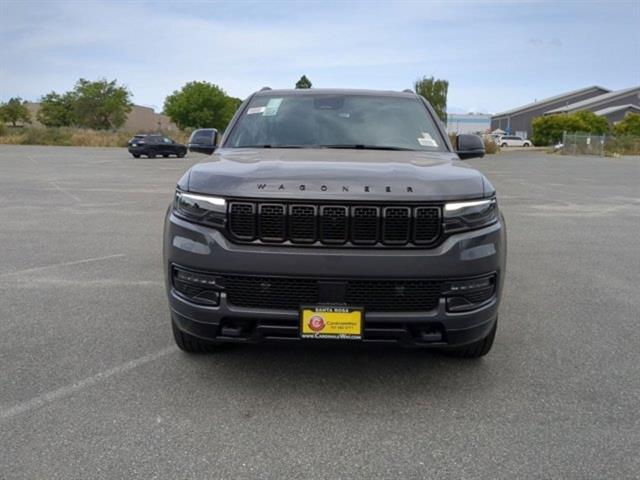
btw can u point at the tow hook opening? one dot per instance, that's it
(432, 333)
(431, 336)
(236, 328)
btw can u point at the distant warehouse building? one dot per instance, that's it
(616, 114)
(518, 121)
(613, 105)
(468, 123)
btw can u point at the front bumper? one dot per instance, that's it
(138, 150)
(469, 254)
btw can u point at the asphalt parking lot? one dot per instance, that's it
(91, 385)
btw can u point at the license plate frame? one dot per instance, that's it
(331, 322)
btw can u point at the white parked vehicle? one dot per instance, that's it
(513, 141)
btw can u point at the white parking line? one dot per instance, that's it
(65, 191)
(63, 264)
(41, 400)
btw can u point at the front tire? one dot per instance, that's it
(189, 343)
(476, 349)
(136, 155)
(504, 145)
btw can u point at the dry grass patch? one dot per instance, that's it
(66, 136)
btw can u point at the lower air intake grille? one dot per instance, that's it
(373, 295)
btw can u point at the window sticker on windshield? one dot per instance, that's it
(272, 107)
(254, 110)
(427, 140)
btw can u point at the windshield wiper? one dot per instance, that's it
(360, 146)
(353, 146)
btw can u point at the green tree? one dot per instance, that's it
(435, 91)
(588, 122)
(304, 82)
(100, 105)
(630, 125)
(57, 110)
(548, 130)
(15, 111)
(200, 105)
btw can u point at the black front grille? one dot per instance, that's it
(271, 222)
(365, 225)
(242, 220)
(344, 225)
(373, 295)
(333, 224)
(303, 223)
(426, 225)
(396, 224)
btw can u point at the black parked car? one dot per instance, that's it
(152, 145)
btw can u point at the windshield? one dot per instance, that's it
(335, 121)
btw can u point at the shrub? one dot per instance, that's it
(622, 145)
(490, 147)
(548, 130)
(46, 136)
(630, 125)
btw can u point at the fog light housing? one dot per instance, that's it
(465, 295)
(198, 287)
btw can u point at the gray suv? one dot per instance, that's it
(335, 216)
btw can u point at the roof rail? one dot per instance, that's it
(265, 88)
(408, 90)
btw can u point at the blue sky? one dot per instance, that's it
(496, 55)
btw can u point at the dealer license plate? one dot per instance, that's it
(325, 322)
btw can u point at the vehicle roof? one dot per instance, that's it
(335, 91)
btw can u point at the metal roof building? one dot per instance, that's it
(617, 113)
(627, 96)
(613, 105)
(517, 121)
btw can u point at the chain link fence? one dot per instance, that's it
(599, 145)
(583, 144)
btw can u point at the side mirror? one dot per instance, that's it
(469, 146)
(203, 141)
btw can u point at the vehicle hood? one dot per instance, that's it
(335, 174)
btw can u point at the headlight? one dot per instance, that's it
(203, 209)
(460, 216)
